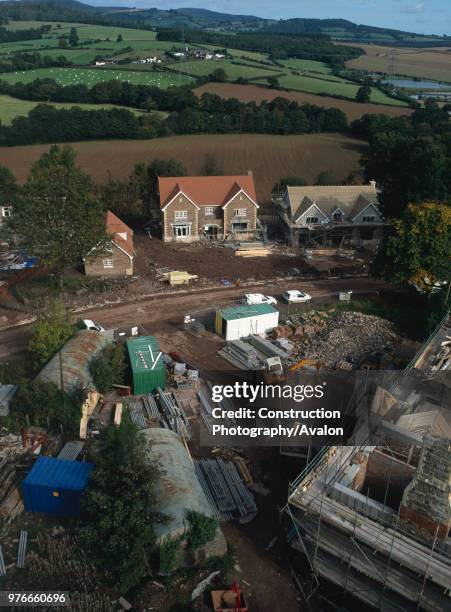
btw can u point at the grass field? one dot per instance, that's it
(269, 157)
(233, 71)
(10, 108)
(91, 76)
(432, 63)
(252, 93)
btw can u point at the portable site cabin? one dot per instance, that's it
(241, 321)
(54, 486)
(146, 361)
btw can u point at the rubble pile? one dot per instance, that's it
(346, 337)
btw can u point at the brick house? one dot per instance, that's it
(208, 207)
(332, 216)
(117, 259)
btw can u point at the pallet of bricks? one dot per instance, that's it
(253, 249)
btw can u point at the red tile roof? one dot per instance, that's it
(115, 227)
(206, 190)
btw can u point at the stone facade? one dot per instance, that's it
(208, 208)
(113, 263)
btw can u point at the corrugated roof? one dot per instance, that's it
(143, 352)
(58, 474)
(350, 199)
(245, 312)
(76, 356)
(178, 487)
(206, 190)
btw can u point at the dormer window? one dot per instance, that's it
(368, 219)
(337, 216)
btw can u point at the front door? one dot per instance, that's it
(182, 232)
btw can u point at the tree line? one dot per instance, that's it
(31, 61)
(209, 115)
(7, 36)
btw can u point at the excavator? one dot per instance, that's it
(274, 372)
(303, 363)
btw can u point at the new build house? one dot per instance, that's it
(332, 216)
(117, 259)
(208, 207)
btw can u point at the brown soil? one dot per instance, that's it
(269, 157)
(255, 93)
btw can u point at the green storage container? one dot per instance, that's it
(146, 361)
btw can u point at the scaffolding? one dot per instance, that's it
(368, 549)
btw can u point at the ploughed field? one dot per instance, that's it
(270, 157)
(254, 93)
(424, 63)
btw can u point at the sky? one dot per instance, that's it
(424, 16)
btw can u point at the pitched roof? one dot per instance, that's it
(121, 233)
(350, 199)
(206, 190)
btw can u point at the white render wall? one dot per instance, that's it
(259, 324)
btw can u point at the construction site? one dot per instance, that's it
(372, 520)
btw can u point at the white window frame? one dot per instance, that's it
(240, 212)
(7, 211)
(181, 215)
(210, 211)
(108, 264)
(369, 219)
(312, 220)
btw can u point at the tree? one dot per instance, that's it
(363, 94)
(119, 38)
(294, 181)
(62, 43)
(73, 37)
(108, 367)
(211, 166)
(49, 333)
(273, 82)
(119, 503)
(326, 178)
(42, 404)
(9, 189)
(57, 218)
(219, 75)
(418, 249)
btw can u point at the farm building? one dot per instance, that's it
(146, 361)
(208, 207)
(179, 491)
(332, 216)
(117, 259)
(54, 486)
(241, 321)
(69, 369)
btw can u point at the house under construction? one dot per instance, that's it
(374, 519)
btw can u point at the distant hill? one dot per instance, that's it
(197, 18)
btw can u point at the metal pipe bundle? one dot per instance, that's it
(20, 563)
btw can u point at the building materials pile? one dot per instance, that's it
(253, 249)
(241, 354)
(143, 411)
(177, 277)
(174, 414)
(342, 337)
(225, 490)
(206, 410)
(11, 503)
(268, 348)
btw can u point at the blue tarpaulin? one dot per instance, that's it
(55, 487)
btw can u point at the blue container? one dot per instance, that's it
(55, 487)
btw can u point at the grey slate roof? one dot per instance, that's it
(350, 199)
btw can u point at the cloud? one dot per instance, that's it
(419, 7)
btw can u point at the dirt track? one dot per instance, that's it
(163, 316)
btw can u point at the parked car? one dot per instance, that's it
(293, 296)
(259, 298)
(88, 324)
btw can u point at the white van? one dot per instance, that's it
(93, 326)
(259, 298)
